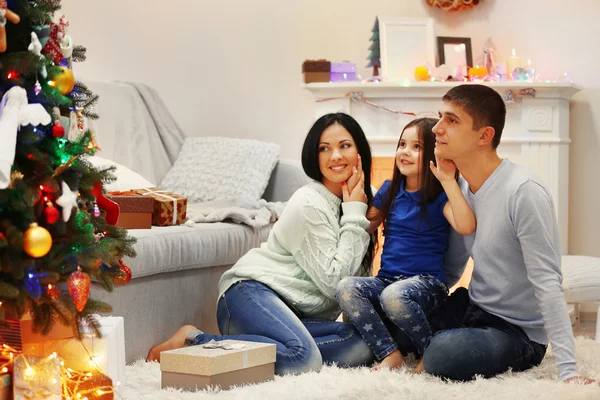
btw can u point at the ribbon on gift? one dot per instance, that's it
(161, 193)
(213, 344)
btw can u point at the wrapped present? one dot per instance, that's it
(37, 378)
(91, 353)
(5, 387)
(169, 208)
(226, 363)
(343, 72)
(316, 70)
(135, 209)
(95, 386)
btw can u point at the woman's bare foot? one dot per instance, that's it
(175, 342)
(419, 368)
(393, 361)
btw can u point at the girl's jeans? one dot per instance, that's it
(251, 311)
(373, 304)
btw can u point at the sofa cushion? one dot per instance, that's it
(221, 168)
(175, 248)
(126, 178)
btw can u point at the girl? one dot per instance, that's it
(416, 207)
(284, 291)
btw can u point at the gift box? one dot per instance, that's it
(343, 72)
(37, 378)
(316, 70)
(168, 208)
(5, 387)
(91, 353)
(135, 209)
(226, 363)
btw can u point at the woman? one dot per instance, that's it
(284, 292)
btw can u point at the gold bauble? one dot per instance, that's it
(37, 241)
(64, 81)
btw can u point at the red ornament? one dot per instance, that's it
(123, 279)
(57, 130)
(79, 288)
(51, 213)
(111, 208)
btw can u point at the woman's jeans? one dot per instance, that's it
(375, 304)
(251, 311)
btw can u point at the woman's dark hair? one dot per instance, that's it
(430, 186)
(310, 161)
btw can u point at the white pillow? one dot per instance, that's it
(126, 178)
(221, 168)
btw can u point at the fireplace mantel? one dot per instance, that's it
(536, 132)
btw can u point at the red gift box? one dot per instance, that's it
(169, 208)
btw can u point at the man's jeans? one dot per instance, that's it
(251, 311)
(474, 342)
(376, 304)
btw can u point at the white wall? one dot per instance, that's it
(232, 68)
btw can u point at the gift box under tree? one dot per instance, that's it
(225, 364)
(169, 208)
(135, 209)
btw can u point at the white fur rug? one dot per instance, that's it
(143, 382)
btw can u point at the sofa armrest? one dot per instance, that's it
(287, 177)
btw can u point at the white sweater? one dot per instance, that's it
(308, 252)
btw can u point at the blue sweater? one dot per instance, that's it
(516, 254)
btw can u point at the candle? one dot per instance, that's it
(512, 62)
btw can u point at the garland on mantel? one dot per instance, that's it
(359, 97)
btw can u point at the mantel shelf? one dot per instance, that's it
(553, 90)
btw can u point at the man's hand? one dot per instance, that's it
(580, 380)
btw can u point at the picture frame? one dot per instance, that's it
(455, 52)
(405, 43)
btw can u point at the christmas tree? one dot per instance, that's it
(57, 230)
(375, 56)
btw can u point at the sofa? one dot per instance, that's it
(177, 268)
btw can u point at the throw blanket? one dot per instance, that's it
(256, 214)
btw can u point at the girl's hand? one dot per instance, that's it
(444, 170)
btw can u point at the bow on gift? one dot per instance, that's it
(213, 344)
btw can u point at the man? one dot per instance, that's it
(515, 305)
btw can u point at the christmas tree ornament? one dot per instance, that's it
(51, 213)
(6, 15)
(58, 31)
(110, 207)
(37, 89)
(64, 81)
(32, 283)
(36, 48)
(57, 130)
(96, 210)
(43, 33)
(37, 241)
(52, 291)
(79, 288)
(16, 112)
(123, 279)
(67, 201)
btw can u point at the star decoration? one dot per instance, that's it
(67, 201)
(368, 327)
